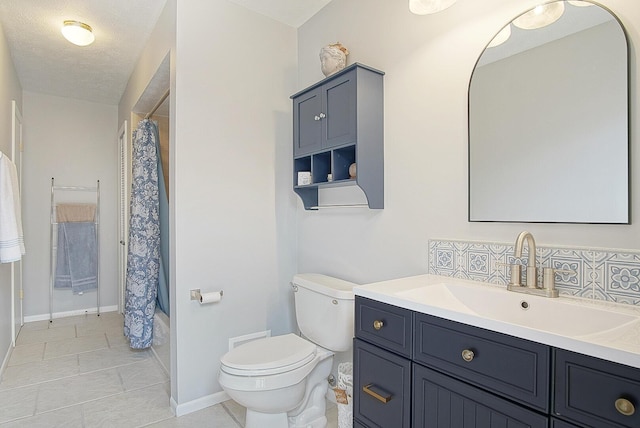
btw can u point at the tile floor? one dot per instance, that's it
(80, 372)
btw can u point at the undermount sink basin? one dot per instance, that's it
(555, 316)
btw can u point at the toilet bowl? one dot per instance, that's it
(277, 379)
(282, 380)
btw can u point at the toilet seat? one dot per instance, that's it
(268, 356)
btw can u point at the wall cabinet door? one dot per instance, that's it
(307, 128)
(339, 123)
(441, 401)
(325, 116)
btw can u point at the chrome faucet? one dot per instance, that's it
(548, 288)
(532, 271)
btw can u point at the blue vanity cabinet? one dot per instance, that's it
(596, 393)
(357, 424)
(338, 122)
(463, 376)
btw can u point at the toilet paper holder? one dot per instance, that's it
(197, 295)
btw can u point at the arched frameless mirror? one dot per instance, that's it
(548, 120)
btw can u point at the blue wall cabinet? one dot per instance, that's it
(338, 122)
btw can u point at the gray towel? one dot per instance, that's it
(77, 258)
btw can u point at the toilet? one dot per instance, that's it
(282, 380)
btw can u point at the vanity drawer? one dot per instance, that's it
(595, 392)
(381, 387)
(514, 368)
(384, 325)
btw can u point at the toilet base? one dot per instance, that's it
(266, 420)
(321, 422)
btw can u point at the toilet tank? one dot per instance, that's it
(324, 310)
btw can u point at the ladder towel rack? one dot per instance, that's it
(53, 238)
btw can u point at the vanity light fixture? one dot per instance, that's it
(77, 33)
(501, 37)
(540, 16)
(426, 7)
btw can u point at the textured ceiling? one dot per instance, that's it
(47, 63)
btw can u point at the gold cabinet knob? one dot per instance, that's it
(378, 324)
(467, 355)
(625, 407)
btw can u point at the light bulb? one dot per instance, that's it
(77, 33)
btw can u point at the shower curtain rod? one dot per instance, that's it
(158, 104)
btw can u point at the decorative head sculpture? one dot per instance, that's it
(333, 58)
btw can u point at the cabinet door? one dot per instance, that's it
(339, 123)
(557, 423)
(442, 402)
(307, 123)
(381, 387)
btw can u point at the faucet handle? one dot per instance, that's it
(516, 273)
(549, 277)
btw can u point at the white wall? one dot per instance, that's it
(428, 62)
(233, 212)
(10, 89)
(161, 42)
(75, 142)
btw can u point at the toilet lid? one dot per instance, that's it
(272, 354)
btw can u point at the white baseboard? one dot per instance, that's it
(5, 362)
(198, 404)
(45, 317)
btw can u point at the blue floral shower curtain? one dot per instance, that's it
(143, 259)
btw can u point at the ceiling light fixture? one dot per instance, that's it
(426, 7)
(78, 33)
(540, 16)
(580, 3)
(501, 37)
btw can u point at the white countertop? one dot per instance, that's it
(619, 343)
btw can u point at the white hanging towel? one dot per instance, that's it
(11, 238)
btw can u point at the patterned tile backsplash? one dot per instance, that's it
(600, 274)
